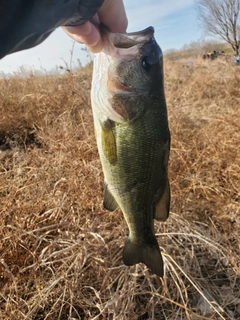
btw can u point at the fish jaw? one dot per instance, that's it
(106, 85)
(100, 95)
(126, 46)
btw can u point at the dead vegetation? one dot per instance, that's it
(61, 253)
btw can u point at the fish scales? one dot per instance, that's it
(133, 139)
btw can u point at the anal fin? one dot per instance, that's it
(163, 206)
(109, 203)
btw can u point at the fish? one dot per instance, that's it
(133, 138)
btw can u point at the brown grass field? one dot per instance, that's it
(61, 252)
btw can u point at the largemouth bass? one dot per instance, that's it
(133, 138)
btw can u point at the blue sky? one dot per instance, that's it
(175, 24)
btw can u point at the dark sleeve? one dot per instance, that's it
(26, 23)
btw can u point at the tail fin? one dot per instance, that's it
(135, 252)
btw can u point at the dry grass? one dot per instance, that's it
(60, 252)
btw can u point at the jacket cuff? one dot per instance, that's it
(85, 11)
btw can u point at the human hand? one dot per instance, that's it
(112, 14)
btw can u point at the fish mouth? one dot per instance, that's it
(126, 46)
(128, 40)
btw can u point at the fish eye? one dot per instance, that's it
(146, 65)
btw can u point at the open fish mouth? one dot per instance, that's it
(126, 46)
(128, 40)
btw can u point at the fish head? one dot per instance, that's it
(129, 66)
(138, 62)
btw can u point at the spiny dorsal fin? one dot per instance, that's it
(109, 203)
(162, 207)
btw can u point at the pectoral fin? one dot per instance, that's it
(109, 203)
(162, 207)
(109, 143)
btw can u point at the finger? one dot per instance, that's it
(87, 34)
(112, 13)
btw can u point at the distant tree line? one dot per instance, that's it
(195, 48)
(221, 18)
